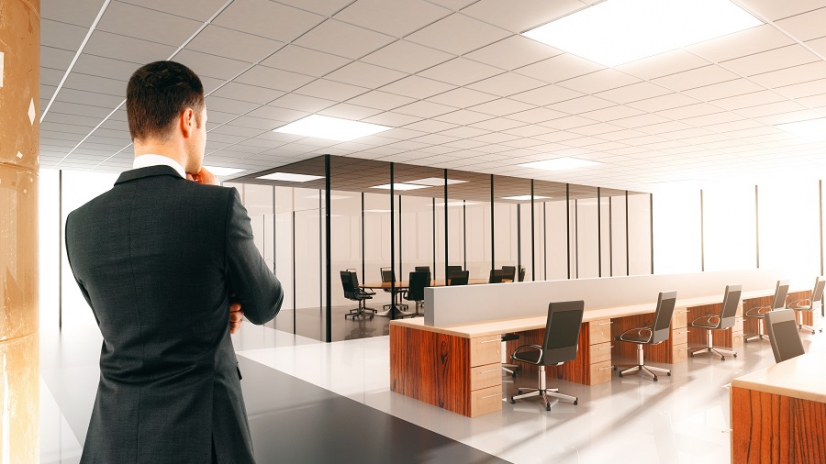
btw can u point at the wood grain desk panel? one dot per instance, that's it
(778, 414)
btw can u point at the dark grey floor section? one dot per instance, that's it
(293, 421)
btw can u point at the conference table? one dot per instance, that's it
(402, 285)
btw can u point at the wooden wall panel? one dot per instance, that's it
(431, 367)
(769, 428)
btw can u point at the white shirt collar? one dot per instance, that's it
(147, 160)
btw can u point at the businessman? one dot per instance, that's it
(167, 263)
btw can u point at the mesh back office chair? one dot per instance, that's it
(560, 346)
(415, 292)
(451, 270)
(509, 273)
(497, 276)
(721, 321)
(783, 334)
(759, 313)
(459, 278)
(350, 284)
(808, 305)
(653, 334)
(521, 274)
(423, 269)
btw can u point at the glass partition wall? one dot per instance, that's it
(320, 221)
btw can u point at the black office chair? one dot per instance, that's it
(521, 274)
(808, 305)
(509, 273)
(423, 269)
(652, 334)
(560, 346)
(759, 313)
(459, 278)
(415, 291)
(389, 276)
(451, 270)
(722, 321)
(783, 334)
(352, 291)
(497, 276)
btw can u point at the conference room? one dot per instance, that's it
(525, 231)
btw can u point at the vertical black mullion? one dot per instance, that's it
(576, 236)
(568, 224)
(274, 234)
(545, 237)
(60, 250)
(328, 245)
(820, 202)
(518, 236)
(610, 236)
(702, 235)
(433, 206)
(447, 262)
(401, 242)
(321, 257)
(464, 234)
(492, 222)
(757, 226)
(392, 243)
(363, 268)
(651, 217)
(599, 231)
(533, 239)
(295, 298)
(627, 239)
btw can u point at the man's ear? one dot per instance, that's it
(188, 123)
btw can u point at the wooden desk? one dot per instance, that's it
(403, 284)
(459, 368)
(778, 414)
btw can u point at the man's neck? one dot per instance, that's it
(162, 149)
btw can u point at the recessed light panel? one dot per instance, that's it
(813, 129)
(525, 197)
(560, 164)
(290, 177)
(220, 171)
(619, 31)
(400, 186)
(436, 181)
(325, 127)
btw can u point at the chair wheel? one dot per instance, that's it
(547, 407)
(669, 373)
(722, 358)
(620, 374)
(655, 378)
(513, 401)
(615, 367)
(514, 374)
(735, 355)
(576, 402)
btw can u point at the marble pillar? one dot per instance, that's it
(19, 149)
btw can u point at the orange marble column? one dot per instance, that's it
(19, 149)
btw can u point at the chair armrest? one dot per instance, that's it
(519, 349)
(708, 318)
(794, 304)
(639, 330)
(751, 312)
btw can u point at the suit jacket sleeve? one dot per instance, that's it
(66, 238)
(254, 285)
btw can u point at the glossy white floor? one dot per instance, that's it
(680, 419)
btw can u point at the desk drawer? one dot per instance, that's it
(601, 372)
(486, 401)
(485, 350)
(600, 353)
(599, 331)
(680, 353)
(680, 318)
(679, 336)
(485, 376)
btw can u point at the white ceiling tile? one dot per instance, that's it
(460, 71)
(248, 93)
(546, 95)
(348, 111)
(397, 18)
(818, 45)
(664, 127)
(330, 90)
(805, 26)
(567, 122)
(268, 19)
(640, 121)
(743, 43)
(381, 100)
(462, 98)
(770, 109)
(79, 12)
(424, 109)
(210, 65)
(724, 89)
(407, 57)
(103, 67)
(463, 117)
(304, 61)
(663, 102)
(528, 14)
(417, 87)
(528, 131)
(559, 68)
(124, 48)
(537, 115)
(794, 75)
(434, 139)
(513, 52)
(733, 126)
(599, 81)
(501, 107)
(804, 89)
(230, 43)
(507, 84)
(595, 129)
(694, 78)
(458, 34)
(61, 35)
(633, 92)
(749, 99)
(785, 118)
(226, 105)
(663, 64)
(771, 60)
(581, 105)
(689, 111)
(430, 126)
(271, 78)
(498, 124)
(612, 113)
(393, 120)
(711, 119)
(303, 103)
(343, 39)
(464, 133)
(364, 75)
(775, 10)
(146, 24)
(814, 101)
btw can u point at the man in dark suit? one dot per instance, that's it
(165, 264)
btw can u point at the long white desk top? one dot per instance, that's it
(803, 377)
(501, 326)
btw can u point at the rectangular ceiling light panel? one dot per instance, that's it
(436, 181)
(525, 197)
(221, 171)
(290, 177)
(620, 31)
(325, 127)
(813, 129)
(400, 186)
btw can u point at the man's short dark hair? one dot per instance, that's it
(156, 95)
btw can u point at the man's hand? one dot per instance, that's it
(236, 316)
(203, 177)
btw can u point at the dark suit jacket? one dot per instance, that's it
(157, 258)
